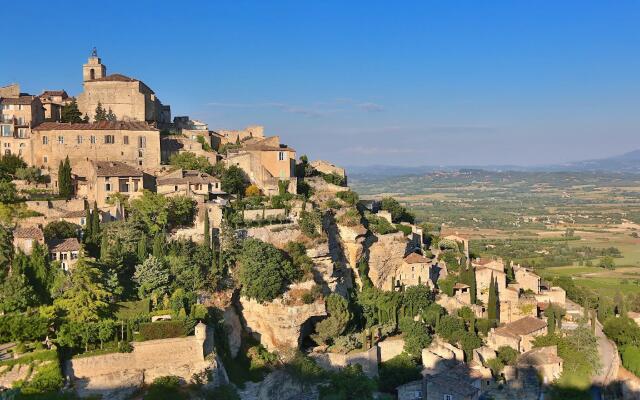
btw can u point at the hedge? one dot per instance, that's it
(22, 328)
(162, 330)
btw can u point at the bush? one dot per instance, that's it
(311, 223)
(631, 358)
(162, 330)
(507, 355)
(379, 225)
(165, 387)
(335, 179)
(223, 392)
(403, 228)
(348, 197)
(47, 379)
(350, 218)
(397, 371)
(264, 270)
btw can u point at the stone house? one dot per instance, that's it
(176, 144)
(195, 184)
(53, 101)
(461, 382)
(490, 263)
(518, 335)
(19, 113)
(66, 251)
(411, 390)
(544, 360)
(456, 237)
(106, 178)
(225, 136)
(526, 279)
(484, 275)
(128, 98)
(25, 238)
(462, 292)
(414, 270)
(133, 143)
(326, 167)
(266, 162)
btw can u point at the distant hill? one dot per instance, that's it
(627, 162)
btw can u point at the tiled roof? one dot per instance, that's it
(457, 381)
(187, 176)
(64, 245)
(75, 214)
(461, 286)
(114, 78)
(522, 327)
(28, 232)
(415, 258)
(539, 356)
(115, 168)
(483, 261)
(48, 93)
(22, 100)
(96, 126)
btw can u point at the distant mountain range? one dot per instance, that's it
(627, 162)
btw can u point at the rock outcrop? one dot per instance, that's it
(276, 324)
(279, 385)
(278, 236)
(385, 257)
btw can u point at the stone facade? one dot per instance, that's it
(134, 143)
(106, 178)
(128, 98)
(518, 335)
(19, 113)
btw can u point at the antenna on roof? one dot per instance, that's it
(94, 52)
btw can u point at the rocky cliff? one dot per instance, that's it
(278, 325)
(385, 257)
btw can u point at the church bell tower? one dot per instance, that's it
(93, 69)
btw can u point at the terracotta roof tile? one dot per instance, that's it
(115, 168)
(64, 245)
(539, 356)
(28, 232)
(114, 78)
(96, 126)
(521, 327)
(415, 258)
(22, 100)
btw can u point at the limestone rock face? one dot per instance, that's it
(276, 324)
(233, 329)
(278, 236)
(385, 258)
(278, 385)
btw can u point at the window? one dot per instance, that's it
(92, 139)
(45, 140)
(142, 142)
(107, 185)
(448, 397)
(20, 121)
(22, 133)
(60, 139)
(74, 255)
(125, 140)
(45, 159)
(140, 154)
(175, 188)
(6, 130)
(83, 220)
(281, 156)
(7, 152)
(79, 139)
(109, 139)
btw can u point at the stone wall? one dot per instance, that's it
(252, 215)
(390, 348)
(368, 360)
(117, 375)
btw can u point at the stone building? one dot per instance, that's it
(195, 184)
(66, 251)
(128, 98)
(483, 280)
(413, 271)
(494, 264)
(266, 162)
(134, 143)
(518, 335)
(53, 101)
(19, 113)
(106, 178)
(225, 136)
(527, 280)
(544, 360)
(26, 238)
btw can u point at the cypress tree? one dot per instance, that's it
(207, 229)
(65, 188)
(101, 114)
(492, 304)
(142, 249)
(95, 223)
(88, 233)
(158, 246)
(473, 285)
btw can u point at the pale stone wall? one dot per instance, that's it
(99, 151)
(277, 235)
(326, 167)
(252, 215)
(390, 348)
(368, 360)
(483, 280)
(413, 274)
(386, 256)
(122, 372)
(527, 280)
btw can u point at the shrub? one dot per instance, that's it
(631, 358)
(264, 270)
(403, 228)
(335, 179)
(311, 223)
(507, 355)
(252, 191)
(223, 392)
(348, 197)
(162, 330)
(380, 225)
(397, 371)
(416, 336)
(47, 379)
(350, 218)
(165, 387)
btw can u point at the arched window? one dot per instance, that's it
(92, 74)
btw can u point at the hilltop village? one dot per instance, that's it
(150, 257)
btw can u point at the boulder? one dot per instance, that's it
(278, 385)
(278, 235)
(276, 324)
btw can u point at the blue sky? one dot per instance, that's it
(363, 82)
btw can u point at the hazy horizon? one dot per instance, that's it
(367, 83)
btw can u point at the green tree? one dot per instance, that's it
(151, 210)
(190, 161)
(207, 229)
(8, 192)
(336, 321)
(264, 270)
(110, 116)
(397, 371)
(16, 294)
(71, 113)
(234, 180)
(29, 174)
(607, 262)
(152, 276)
(86, 299)
(349, 383)
(181, 211)
(416, 336)
(416, 300)
(508, 355)
(142, 250)
(60, 230)
(493, 302)
(100, 114)
(158, 250)
(65, 184)
(398, 212)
